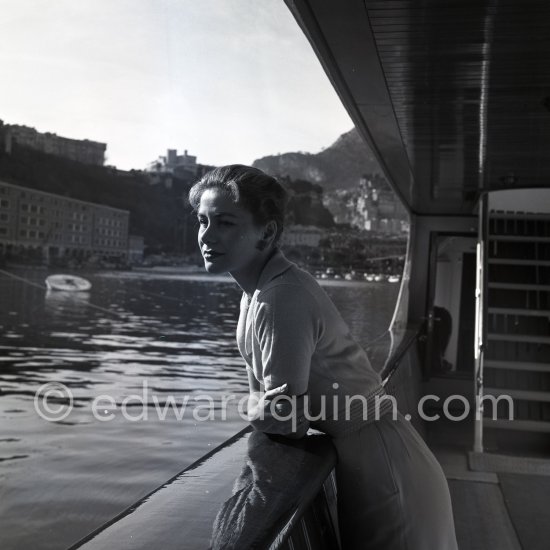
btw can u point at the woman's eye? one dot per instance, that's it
(202, 221)
(224, 222)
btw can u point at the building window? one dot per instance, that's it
(4, 217)
(4, 203)
(32, 234)
(23, 233)
(3, 230)
(25, 207)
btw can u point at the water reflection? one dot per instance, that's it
(61, 299)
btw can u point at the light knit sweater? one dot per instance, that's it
(290, 332)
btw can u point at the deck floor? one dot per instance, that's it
(493, 509)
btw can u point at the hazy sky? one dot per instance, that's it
(229, 80)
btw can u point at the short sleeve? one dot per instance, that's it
(286, 326)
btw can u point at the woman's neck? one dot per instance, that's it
(248, 277)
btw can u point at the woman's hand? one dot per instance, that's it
(277, 412)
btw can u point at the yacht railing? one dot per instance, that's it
(253, 491)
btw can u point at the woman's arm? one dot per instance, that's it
(287, 328)
(263, 413)
(276, 412)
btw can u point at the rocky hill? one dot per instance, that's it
(337, 167)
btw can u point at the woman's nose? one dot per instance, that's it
(208, 235)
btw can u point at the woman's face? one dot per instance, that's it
(227, 234)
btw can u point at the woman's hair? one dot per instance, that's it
(262, 195)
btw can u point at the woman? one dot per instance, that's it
(305, 369)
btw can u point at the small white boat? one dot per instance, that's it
(67, 283)
(394, 279)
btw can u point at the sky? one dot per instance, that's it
(228, 80)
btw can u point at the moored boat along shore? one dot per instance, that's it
(356, 275)
(330, 276)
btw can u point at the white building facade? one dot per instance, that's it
(55, 226)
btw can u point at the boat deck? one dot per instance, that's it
(505, 507)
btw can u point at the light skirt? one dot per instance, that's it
(392, 492)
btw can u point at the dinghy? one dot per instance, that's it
(68, 283)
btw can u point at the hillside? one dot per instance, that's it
(337, 167)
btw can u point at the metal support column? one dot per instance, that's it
(481, 308)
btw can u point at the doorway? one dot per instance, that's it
(451, 307)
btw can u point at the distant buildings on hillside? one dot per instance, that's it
(80, 150)
(176, 172)
(373, 207)
(368, 221)
(53, 228)
(173, 163)
(302, 235)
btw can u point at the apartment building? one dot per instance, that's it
(80, 150)
(54, 226)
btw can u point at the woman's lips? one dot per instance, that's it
(211, 255)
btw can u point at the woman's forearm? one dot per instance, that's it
(276, 413)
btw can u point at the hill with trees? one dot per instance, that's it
(339, 166)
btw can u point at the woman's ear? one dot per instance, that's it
(268, 235)
(270, 231)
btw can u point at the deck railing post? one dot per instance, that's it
(481, 301)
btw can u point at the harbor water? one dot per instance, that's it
(144, 376)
